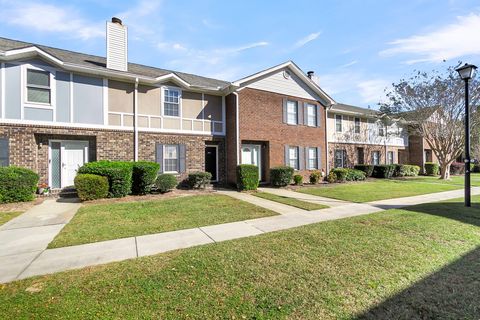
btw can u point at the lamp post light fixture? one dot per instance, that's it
(467, 72)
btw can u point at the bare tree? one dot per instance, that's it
(433, 103)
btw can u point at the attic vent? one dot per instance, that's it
(117, 57)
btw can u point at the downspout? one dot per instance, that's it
(327, 167)
(237, 128)
(135, 122)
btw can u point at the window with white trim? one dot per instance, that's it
(381, 130)
(171, 102)
(390, 157)
(292, 112)
(311, 115)
(170, 158)
(357, 125)
(376, 158)
(38, 87)
(339, 158)
(338, 123)
(312, 159)
(293, 157)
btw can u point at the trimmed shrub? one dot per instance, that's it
(406, 170)
(281, 176)
(118, 173)
(340, 174)
(432, 169)
(91, 186)
(384, 171)
(17, 184)
(355, 175)
(367, 168)
(331, 177)
(199, 179)
(476, 168)
(344, 174)
(144, 174)
(165, 182)
(247, 177)
(315, 177)
(298, 180)
(457, 168)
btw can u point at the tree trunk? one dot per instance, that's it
(445, 171)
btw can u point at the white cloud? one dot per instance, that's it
(449, 42)
(372, 91)
(136, 17)
(303, 41)
(349, 64)
(50, 18)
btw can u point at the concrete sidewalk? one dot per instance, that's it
(23, 238)
(60, 259)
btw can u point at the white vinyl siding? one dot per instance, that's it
(38, 87)
(292, 112)
(293, 157)
(171, 102)
(311, 115)
(312, 159)
(170, 154)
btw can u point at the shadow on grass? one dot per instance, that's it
(453, 292)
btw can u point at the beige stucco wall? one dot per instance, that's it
(120, 96)
(149, 100)
(192, 105)
(213, 107)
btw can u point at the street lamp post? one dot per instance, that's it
(466, 72)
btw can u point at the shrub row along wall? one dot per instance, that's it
(17, 184)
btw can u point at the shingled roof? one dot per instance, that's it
(354, 109)
(97, 62)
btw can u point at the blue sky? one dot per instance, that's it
(356, 48)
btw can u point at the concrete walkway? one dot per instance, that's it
(23, 238)
(42, 262)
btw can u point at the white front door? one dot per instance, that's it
(251, 155)
(72, 155)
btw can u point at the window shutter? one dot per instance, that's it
(307, 157)
(319, 115)
(159, 155)
(301, 158)
(284, 109)
(182, 156)
(305, 114)
(300, 112)
(319, 159)
(4, 152)
(287, 155)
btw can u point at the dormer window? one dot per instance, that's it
(38, 87)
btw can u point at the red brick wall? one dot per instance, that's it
(261, 119)
(351, 150)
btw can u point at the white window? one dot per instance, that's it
(170, 158)
(357, 125)
(293, 157)
(311, 115)
(312, 159)
(339, 158)
(292, 112)
(376, 158)
(171, 102)
(38, 86)
(381, 130)
(390, 157)
(338, 123)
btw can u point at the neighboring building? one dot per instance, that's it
(364, 136)
(277, 117)
(60, 109)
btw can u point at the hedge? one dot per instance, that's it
(91, 186)
(17, 184)
(165, 182)
(406, 170)
(355, 175)
(247, 177)
(457, 168)
(144, 174)
(118, 173)
(367, 168)
(432, 169)
(281, 176)
(344, 174)
(384, 171)
(199, 179)
(315, 177)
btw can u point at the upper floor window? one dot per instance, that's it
(293, 158)
(311, 115)
(171, 102)
(338, 123)
(292, 112)
(357, 125)
(381, 130)
(38, 86)
(170, 158)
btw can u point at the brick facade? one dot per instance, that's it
(417, 148)
(261, 122)
(28, 146)
(401, 154)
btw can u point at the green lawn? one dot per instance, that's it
(454, 180)
(421, 263)
(378, 189)
(290, 201)
(100, 222)
(7, 216)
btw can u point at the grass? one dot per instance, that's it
(410, 264)
(378, 189)
(101, 222)
(454, 180)
(290, 201)
(7, 216)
